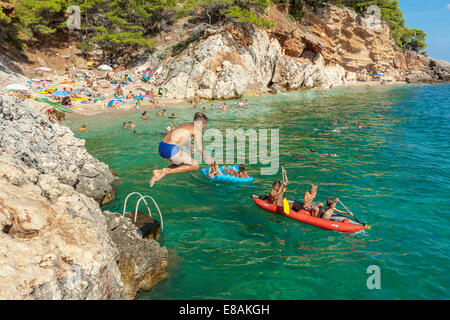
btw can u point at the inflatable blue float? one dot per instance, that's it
(226, 177)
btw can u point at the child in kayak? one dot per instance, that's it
(308, 205)
(330, 208)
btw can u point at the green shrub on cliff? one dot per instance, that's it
(240, 11)
(114, 25)
(405, 38)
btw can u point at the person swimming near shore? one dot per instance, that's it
(276, 194)
(309, 205)
(128, 125)
(339, 129)
(331, 208)
(360, 125)
(214, 170)
(172, 116)
(322, 154)
(169, 128)
(171, 146)
(241, 173)
(144, 116)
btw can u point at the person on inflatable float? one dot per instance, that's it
(213, 170)
(240, 174)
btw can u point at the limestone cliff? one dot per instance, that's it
(330, 47)
(55, 242)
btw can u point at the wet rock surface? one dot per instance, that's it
(142, 261)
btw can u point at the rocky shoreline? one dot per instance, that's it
(56, 243)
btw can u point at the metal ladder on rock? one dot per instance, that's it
(148, 208)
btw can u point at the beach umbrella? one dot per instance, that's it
(43, 69)
(16, 86)
(105, 67)
(61, 93)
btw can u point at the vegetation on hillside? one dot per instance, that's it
(115, 25)
(405, 38)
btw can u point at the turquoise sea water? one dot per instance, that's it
(392, 173)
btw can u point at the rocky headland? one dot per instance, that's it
(56, 243)
(331, 47)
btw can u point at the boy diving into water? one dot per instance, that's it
(172, 144)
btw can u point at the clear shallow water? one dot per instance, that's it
(392, 173)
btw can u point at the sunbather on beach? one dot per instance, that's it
(51, 115)
(172, 144)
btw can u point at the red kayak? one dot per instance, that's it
(337, 223)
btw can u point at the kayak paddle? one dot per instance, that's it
(364, 224)
(285, 202)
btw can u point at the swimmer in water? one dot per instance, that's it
(144, 116)
(322, 154)
(171, 148)
(360, 125)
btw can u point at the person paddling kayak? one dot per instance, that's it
(331, 208)
(172, 144)
(276, 194)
